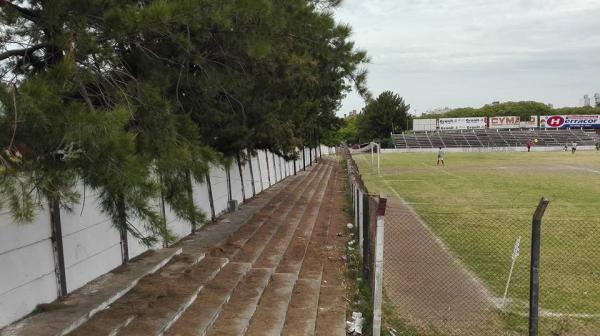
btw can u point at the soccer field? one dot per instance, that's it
(480, 203)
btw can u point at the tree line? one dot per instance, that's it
(523, 109)
(382, 116)
(136, 97)
(389, 113)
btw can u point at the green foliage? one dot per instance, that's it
(523, 109)
(348, 133)
(135, 98)
(577, 110)
(382, 116)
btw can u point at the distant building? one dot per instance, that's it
(496, 103)
(597, 99)
(439, 110)
(352, 113)
(586, 101)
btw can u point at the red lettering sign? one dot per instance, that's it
(555, 121)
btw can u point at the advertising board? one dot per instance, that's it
(462, 123)
(424, 124)
(570, 121)
(505, 122)
(532, 123)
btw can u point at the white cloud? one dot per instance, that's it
(470, 52)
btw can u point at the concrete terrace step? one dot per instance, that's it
(202, 313)
(301, 318)
(231, 322)
(276, 212)
(296, 252)
(267, 272)
(219, 232)
(270, 314)
(235, 317)
(75, 310)
(178, 294)
(306, 256)
(331, 317)
(255, 246)
(272, 254)
(275, 205)
(146, 295)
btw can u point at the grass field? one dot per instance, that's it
(479, 203)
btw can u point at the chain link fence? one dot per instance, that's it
(369, 218)
(468, 273)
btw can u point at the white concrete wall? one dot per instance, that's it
(247, 179)
(218, 182)
(201, 197)
(91, 243)
(298, 163)
(272, 168)
(236, 183)
(135, 246)
(27, 275)
(257, 177)
(262, 161)
(290, 167)
(180, 228)
(326, 150)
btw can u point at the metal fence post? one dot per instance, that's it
(239, 163)
(303, 158)
(123, 230)
(275, 169)
(210, 196)
(378, 286)
(57, 248)
(534, 280)
(268, 169)
(228, 180)
(366, 240)
(252, 176)
(259, 171)
(190, 191)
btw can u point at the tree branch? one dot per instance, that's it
(22, 52)
(28, 14)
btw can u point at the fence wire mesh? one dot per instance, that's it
(451, 273)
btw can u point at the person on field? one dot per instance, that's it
(573, 147)
(440, 157)
(529, 145)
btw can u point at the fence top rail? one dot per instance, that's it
(381, 206)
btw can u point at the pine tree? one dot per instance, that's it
(135, 98)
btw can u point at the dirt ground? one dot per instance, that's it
(427, 285)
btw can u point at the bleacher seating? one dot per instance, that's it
(495, 138)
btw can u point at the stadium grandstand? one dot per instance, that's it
(495, 138)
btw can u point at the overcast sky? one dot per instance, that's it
(456, 53)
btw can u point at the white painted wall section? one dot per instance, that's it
(201, 198)
(218, 182)
(236, 183)
(26, 260)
